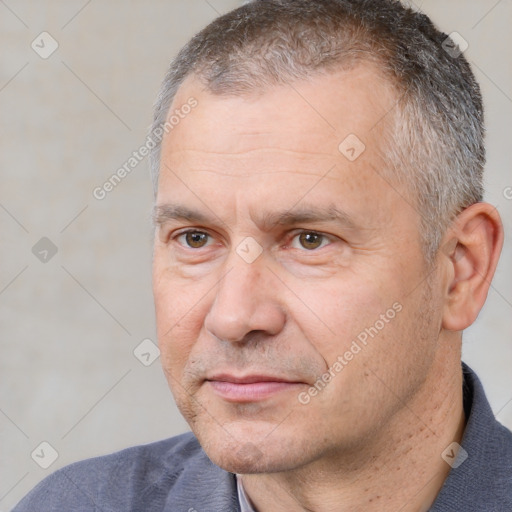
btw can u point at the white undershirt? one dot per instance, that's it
(245, 504)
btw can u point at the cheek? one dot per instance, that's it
(180, 309)
(336, 311)
(177, 298)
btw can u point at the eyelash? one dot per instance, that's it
(189, 231)
(324, 236)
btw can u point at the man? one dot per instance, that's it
(320, 245)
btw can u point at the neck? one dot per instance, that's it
(399, 469)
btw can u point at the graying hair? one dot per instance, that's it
(435, 144)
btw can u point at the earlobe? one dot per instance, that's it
(471, 250)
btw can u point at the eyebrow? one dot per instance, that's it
(306, 214)
(167, 212)
(301, 215)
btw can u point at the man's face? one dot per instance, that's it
(277, 255)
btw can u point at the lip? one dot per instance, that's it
(250, 388)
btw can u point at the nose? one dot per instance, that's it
(245, 302)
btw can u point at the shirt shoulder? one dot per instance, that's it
(482, 478)
(148, 477)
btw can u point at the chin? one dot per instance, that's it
(249, 459)
(249, 454)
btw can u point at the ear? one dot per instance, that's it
(469, 256)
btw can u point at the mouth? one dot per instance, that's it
(250, 388)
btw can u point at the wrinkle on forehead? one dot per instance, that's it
(253, 162)
(261, 173)
(259, 149)
(328, 107)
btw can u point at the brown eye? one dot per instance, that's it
(311, 240)
(196, 239)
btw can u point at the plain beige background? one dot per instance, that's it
(69, 325)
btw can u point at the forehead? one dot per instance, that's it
(283, 145)
(312, 115)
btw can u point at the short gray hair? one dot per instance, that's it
(436, 144)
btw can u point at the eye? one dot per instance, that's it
(309, 240)
(193, 239)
